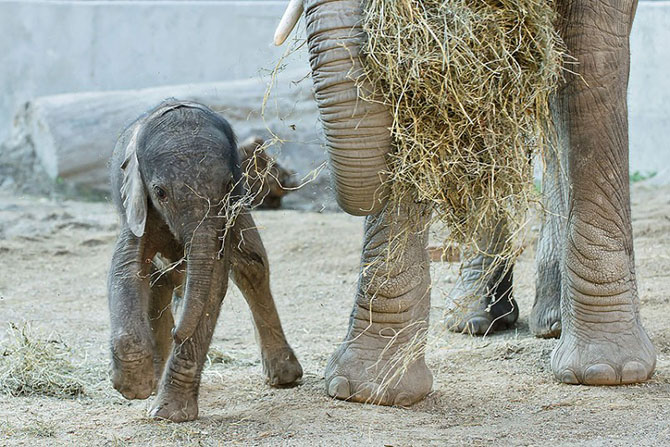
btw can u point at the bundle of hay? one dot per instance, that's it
(31, 364)
(468, 83)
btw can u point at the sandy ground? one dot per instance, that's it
(54, 258)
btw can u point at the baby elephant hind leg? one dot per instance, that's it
(251, 273)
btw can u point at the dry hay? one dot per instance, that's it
(468, 84)
(34, 364)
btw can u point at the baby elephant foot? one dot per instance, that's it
(281, 367)
(619, 359)
(175, 406)
(377, 376)
(132, 368)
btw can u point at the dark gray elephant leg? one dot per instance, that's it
(177, 398)
(141, 326)
(382, 357)
(603, 341)
(131, 338)
(481, 301)
(251, 273)
(545, 317)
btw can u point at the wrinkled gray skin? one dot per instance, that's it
(171, 172)
(481, 302)
(587, 258)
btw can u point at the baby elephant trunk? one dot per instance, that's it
(206, 279)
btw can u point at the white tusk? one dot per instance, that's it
(288, 21)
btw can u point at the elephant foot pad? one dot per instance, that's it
(625, 359)
(365, 375)
(174, 409)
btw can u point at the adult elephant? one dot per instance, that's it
(602, 340)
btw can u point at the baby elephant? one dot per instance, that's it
(174, 173)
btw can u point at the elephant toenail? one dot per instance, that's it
(339, 388)
(478, 325)
(403, 400)
(569, 377)
(634, 372)
(556, 328)
(600, 374)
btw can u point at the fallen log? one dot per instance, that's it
(73, 135)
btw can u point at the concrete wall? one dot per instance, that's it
(649, 91)
(50, 47)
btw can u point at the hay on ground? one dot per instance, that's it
(32, 364)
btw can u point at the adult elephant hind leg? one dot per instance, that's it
(251, 273)
(481, 301)
(382, 360)
(545, 317)
(603, 341)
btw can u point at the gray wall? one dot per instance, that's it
(50, 47)
(649, 90)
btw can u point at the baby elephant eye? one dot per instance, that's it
(160, 193)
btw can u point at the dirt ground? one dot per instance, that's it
(54, 257)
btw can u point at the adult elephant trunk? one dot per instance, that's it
(206, 276)
(357, 131)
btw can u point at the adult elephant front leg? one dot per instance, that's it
(381, 360)
(603, 341)
(545, 318)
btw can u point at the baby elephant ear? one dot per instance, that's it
(133, 195)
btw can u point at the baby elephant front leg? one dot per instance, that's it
(177, 397)
(131, 340)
